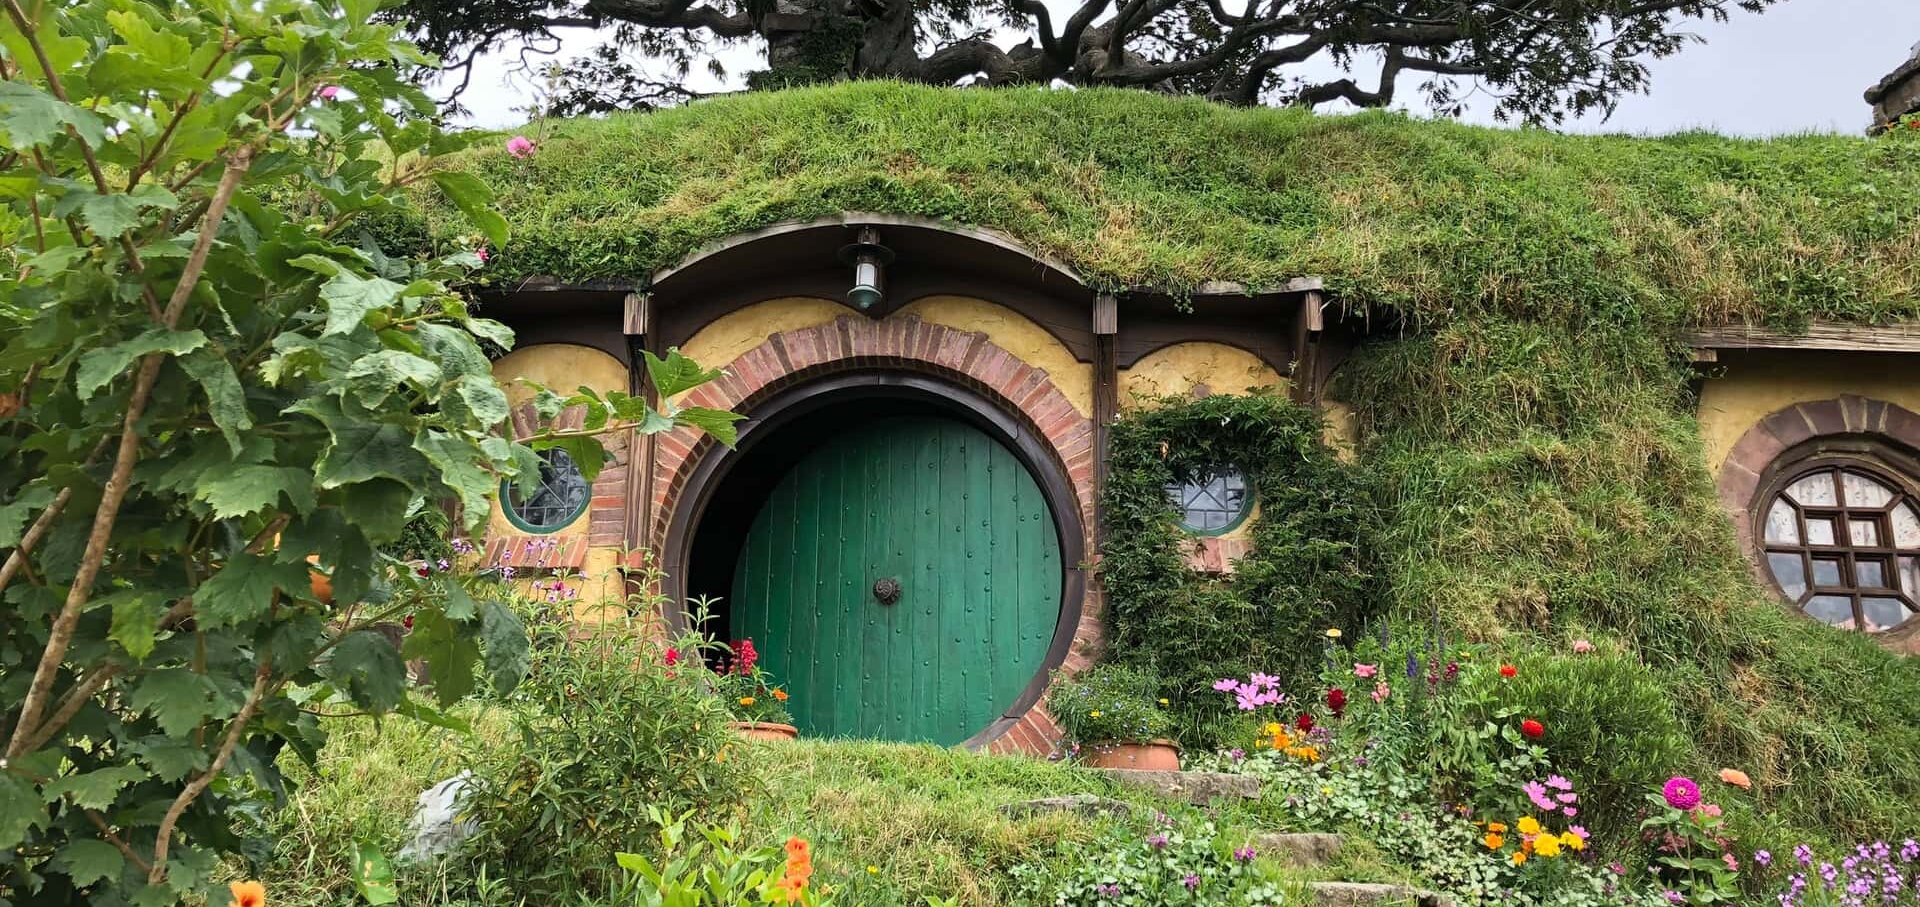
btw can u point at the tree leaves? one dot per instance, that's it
(20, 512)
(475, 200)
(20, 809)
(676, 374)
(373, 874)
(376, 376)
(508, 653)
(226, 400)
(350, 297)
(136, 621)
(99, 367)
(31, 117)
(369, 667)
(88, 860)
(716, 422)
(241, 490)
(94, 790)
(368, 450)
(243, 589)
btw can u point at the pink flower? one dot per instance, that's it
(1733, 865)
(1537, 792)
(1681, 793)
(1225, 684)
(1360, 670)
(520, 146)
(329, 93)
(1710, 810)
(482, 254)
(1582, 647)
(1577, 832)
(1264, 680)
(1380, 691)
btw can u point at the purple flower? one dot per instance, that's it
(1804, 854)
(1673, 897)
(1909, 850)
(1237, 754)
(1191, 881)
(1762, 858)
(1681, 793)
(1157, 841)
(520, 146)
(1244, 854)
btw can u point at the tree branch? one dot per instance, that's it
(237, 728)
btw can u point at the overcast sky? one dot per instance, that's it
(1800, 67)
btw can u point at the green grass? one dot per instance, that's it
(926, 819)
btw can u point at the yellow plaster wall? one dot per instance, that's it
(1343, 429)
(1174, 371)
(561, 367)
(725, 338)
(1015, 333)
(1751, 386)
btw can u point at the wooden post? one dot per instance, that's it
(1308, 324)
(1106, 397)
(636, 308)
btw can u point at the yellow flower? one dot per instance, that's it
(1494, 841)
(1519, 857)
(1547, 845)
(873, 870)
(1274, 729)
(1164, 701)
(746, 700)
(1572, 841)
(1095, 713)
(1333, 632)
(1529, 825)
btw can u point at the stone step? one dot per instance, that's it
(1087, 805)
(1367, 894)
(1299, 851)
(1193, 787)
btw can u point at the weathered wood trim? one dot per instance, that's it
(1106, 400)
(1820, 335)
(1304, 367)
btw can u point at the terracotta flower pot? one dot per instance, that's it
(764, 730)
(1154, 755)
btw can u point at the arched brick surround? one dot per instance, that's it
(1749, 465)
(905, 343)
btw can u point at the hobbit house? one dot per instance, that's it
(1666, 369)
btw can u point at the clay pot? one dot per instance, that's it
(320, 583)
(1154, 755)
(764, 730)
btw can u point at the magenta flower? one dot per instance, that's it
(1264, 680)
(1191, 881)
(329, 93)
(1537, 792)
(1157, 841)
(482, 254)
(1244, 854)
(1681, 792)
(520, 146)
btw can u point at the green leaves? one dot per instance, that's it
(368, 450)
(676, 374)
(375, 377)
(243, 589)
(99, 367)
(226, 399)
(136, 621)
(508, 653)
(95, 789)
(350, 297)
(373, 874)
(368, 666)
(87, 860)
(475, 200)
(31, 117)
(242, 490)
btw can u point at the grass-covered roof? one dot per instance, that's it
(1134, 188)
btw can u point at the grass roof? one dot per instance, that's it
(1134, 188)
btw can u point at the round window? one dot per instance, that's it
(561, 498)
(1842, 542)
(1211, 502)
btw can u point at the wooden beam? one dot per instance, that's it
(1820, 335)
(1106, 399)
(1303, 373)
(634, 318)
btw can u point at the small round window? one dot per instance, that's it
(1210, 502)
(560, 500)
(1843, 544)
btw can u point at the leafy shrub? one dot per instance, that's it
(1178, 858)
(747, 689)
(1108, 703)
(715, 870)
(1308, 567)
(609, 738)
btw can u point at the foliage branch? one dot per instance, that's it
(217, 400)
(1307, 570)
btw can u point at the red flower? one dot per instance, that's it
(1508, 671)
(673, 656)
(745, 656)
(421, 570)
(1337, 701)
(1533, 729)
(408, 623)
(1304, 723)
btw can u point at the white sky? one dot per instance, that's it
(1800, 67)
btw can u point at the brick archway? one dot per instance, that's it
(903, 344)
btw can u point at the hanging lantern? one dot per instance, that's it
(869, 259)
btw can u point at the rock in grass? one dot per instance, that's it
(1086, 805)
(1365, 894)
(437, 827)
(1193, 787)
(1299, 851)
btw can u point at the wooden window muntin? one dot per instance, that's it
(1843, 551)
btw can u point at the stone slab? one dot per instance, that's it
(1087, 805)
(1365, 894)
(1193, 787)
(1299, 851)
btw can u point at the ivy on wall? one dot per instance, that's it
(1308, 568)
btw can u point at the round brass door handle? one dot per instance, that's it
(886, 590)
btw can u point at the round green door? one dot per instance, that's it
(950, 516)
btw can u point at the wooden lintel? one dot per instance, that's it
(1821, 335)
(1106, 314)
(1312, 316)
(634, 321)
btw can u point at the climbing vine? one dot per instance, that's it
(1308, 568)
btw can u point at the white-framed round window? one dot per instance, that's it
(1841, 539)
(562, 496)
(1212, 502)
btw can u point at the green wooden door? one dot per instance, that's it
(951, 515)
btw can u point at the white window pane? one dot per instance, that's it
(1910, 575)
(1782, 526)
(1832, 609)
(1819, 531)
(1790, 571)
(1865, 532)
(1815, 490)
(1884, 613)
(1862, 491)
(1906, 526)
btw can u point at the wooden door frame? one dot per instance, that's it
(1026, 443)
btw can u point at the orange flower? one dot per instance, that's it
(1737, 778)
(746, 700)
(1519, 857)
(797, 847)
(780, 695)
(1496, 827)
(248, 894)
(1494, 841)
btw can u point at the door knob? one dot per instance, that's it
(886, 590)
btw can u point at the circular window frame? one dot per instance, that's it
(1251, 501)
(521, 523)
(1885, 464)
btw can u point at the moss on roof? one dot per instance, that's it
(1134, 188)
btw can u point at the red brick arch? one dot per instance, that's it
(904, 343)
